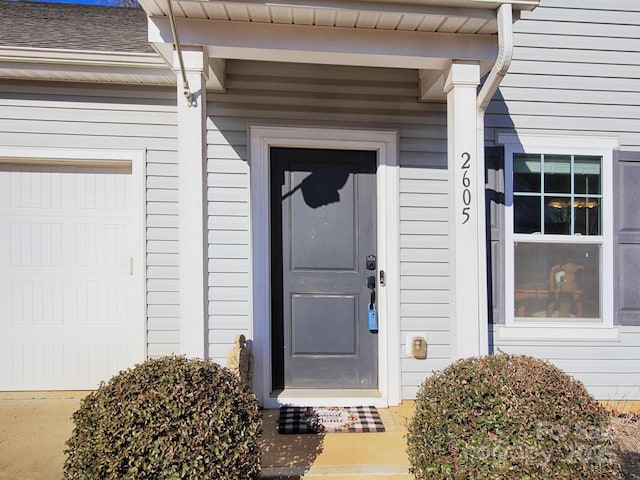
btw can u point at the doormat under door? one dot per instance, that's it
(329, 420)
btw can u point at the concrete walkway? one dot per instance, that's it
(35, 426)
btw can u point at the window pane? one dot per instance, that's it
(587, 174)
(554, 280)
(557, 215)
(526, 214)
(587, 215)
(526, 173)
(557, 173)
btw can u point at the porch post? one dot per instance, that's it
(466, 213)
(192, 204)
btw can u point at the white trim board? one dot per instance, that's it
(569, 145)
(385, 142)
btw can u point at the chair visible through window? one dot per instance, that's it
(565, 291)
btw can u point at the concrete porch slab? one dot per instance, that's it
(338, 455)
(34, 427)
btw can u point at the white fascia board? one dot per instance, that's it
(466, 4)
(469, 8)
(147, 67)
(79, 57)
(326, 45)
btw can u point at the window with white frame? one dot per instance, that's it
(558, 239)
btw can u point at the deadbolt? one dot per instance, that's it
(371, 262)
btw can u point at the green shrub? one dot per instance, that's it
(508, 417)
(170, 418)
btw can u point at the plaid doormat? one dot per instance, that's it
(329, 420)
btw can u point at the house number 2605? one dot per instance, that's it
(466, 184)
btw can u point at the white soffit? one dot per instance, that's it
(424, 35)
(444, 16)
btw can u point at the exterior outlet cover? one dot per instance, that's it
(417, 347)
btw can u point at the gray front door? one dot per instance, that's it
(323, 228)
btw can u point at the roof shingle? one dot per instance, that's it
(73, 27)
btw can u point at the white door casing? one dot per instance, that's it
(71, 267)
(385, 143)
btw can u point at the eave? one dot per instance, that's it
(84, 66)
(426, 35)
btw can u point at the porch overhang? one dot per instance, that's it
(426, 35)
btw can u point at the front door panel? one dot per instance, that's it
(323, 228)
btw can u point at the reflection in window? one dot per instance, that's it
(556, 280)
(557, 194)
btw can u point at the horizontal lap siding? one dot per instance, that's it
(576, 71)
(163, 329)
(331, 96)
(609, 370)
(55, 115)
(424, 270)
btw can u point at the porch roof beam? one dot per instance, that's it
(326, 45)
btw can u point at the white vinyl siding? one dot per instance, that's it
(609, 369)
(576, 72)
(424, 269)
(163, 335)
(56, 115)
(349, 97)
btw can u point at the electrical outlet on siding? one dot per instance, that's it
(408, 340)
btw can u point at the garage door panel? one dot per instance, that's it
(57, 362)
(101, 245)
(74, 243)
(103, 303)
(33, 187)
(58, 300)
(67, 294)
(60, 187)
(37, 303)
(35, 244)
(38, 361)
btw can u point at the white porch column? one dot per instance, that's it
(193, 204)
(466, 213)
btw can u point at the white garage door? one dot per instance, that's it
(67, 289)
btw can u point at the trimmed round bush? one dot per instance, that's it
(168, 418)
(508, 417)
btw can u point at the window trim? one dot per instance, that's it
(562, 145)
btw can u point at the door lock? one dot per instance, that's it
(371, 262)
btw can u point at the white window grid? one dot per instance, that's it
(561, 145)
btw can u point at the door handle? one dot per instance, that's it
(372, 310)
(371, 282)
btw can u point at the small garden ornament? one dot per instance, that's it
(240, 360)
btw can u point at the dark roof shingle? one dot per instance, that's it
(73, 27)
